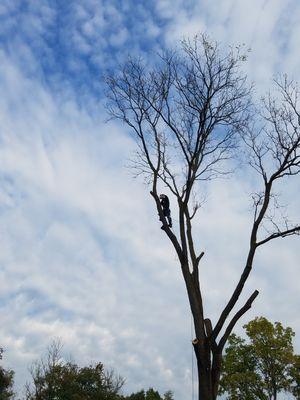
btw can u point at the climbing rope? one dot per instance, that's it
(193, 387)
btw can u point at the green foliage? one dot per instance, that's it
(6, 382)
(54, 379)
(151, 394)
(295, 375)
(69, 381)
(263, 366)
(168, 395)
(136, 396)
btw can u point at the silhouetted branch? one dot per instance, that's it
(236, 317)
(282, 234)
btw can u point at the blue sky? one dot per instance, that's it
(82, 256)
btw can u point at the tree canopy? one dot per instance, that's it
(6, 381)
(263, 366)
(150, 394)
(55, 379)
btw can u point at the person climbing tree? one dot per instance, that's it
(165, 203)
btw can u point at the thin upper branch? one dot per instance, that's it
(282, 234)
(236, 317)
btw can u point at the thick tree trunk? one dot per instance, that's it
(216, 373)
(205, 392)
(208, 371)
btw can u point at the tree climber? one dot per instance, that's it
(165, 203)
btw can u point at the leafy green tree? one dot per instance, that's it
(6, 382)
(54, 379)
(168, 395)
(151, 394)
(69, 381)
(295, 374)
(262, 367)
(136, 396)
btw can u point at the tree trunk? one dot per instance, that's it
(205, 392)
(216, 373)
(208, 372)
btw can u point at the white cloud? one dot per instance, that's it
(269, 28)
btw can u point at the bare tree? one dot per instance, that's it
(188, 114)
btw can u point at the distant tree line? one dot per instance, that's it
(52, 378)
(257, 368)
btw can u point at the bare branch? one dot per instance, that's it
(282, 234)
(236, 317)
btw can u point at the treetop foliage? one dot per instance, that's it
(6, 381)
(262, 366)
(55, 379)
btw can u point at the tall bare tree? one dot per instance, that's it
(188, 113)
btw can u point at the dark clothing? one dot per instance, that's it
(165, 203)
(166, 212)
